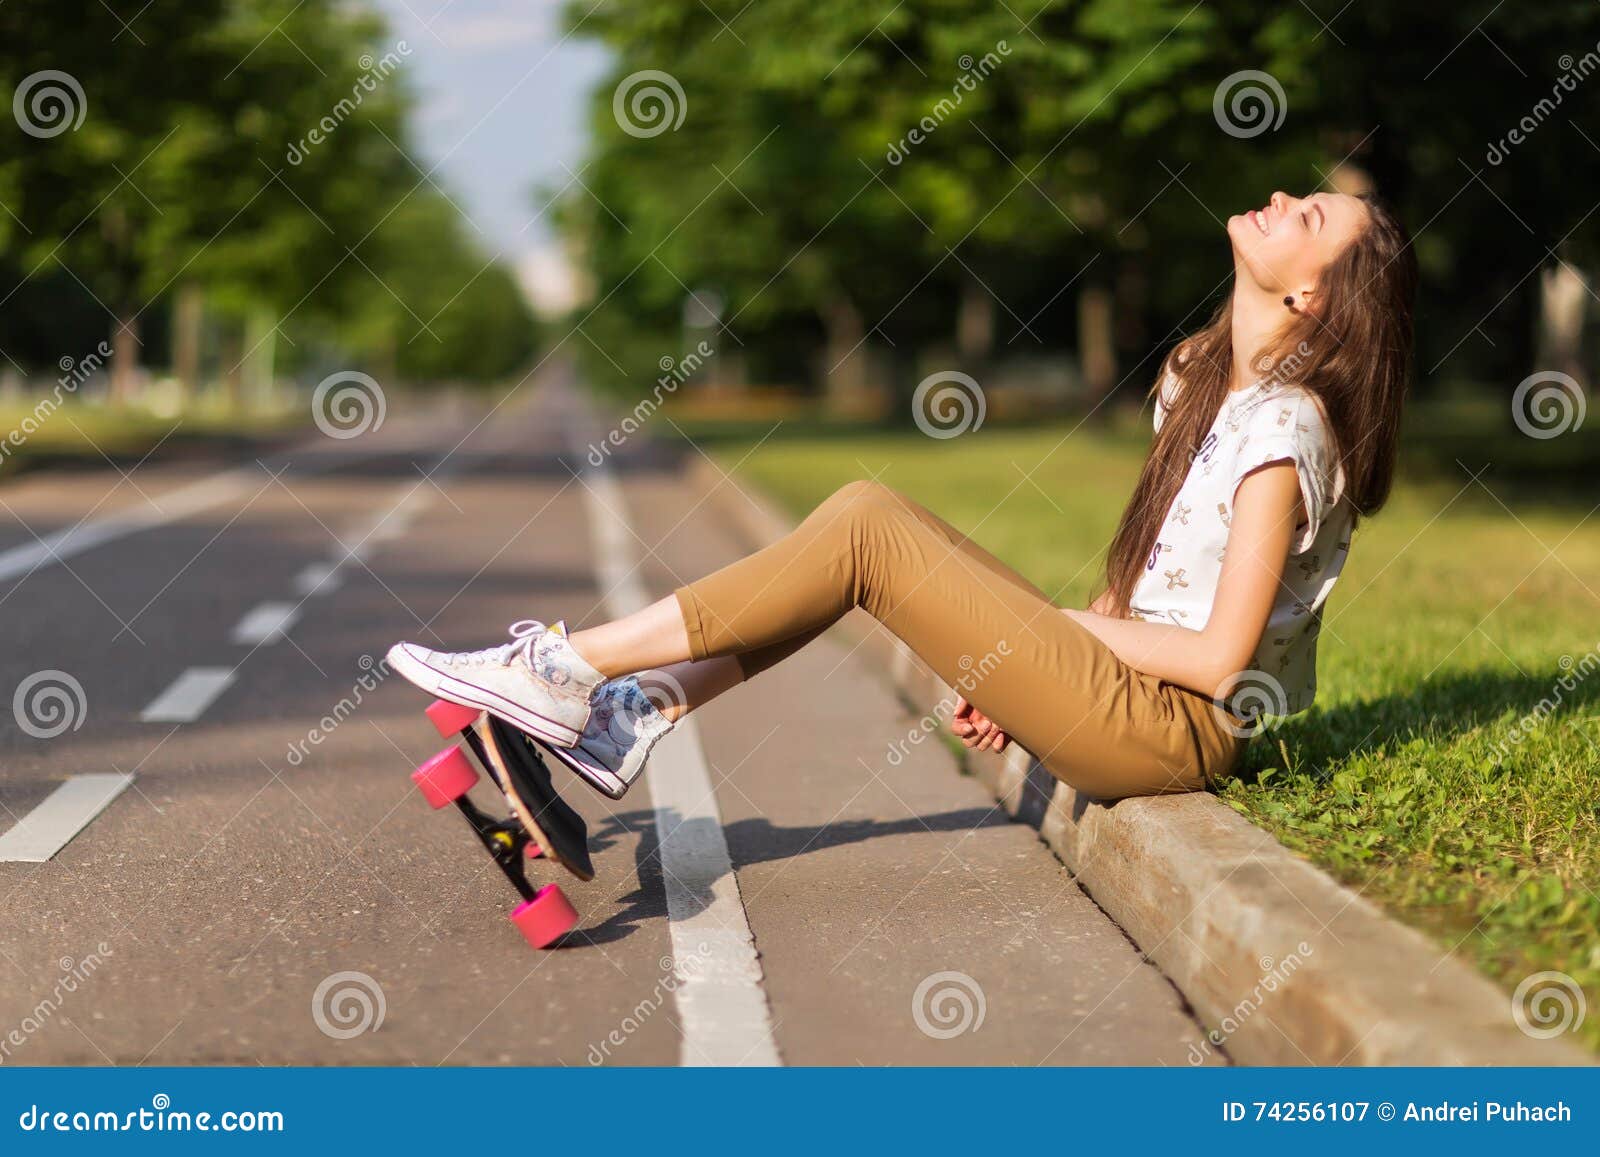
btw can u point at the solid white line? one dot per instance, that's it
(65, 812)
(188, 697)
(722, 1007)
(266, 623)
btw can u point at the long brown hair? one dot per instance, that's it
(1355, 358)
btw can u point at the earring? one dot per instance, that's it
(1289, 301)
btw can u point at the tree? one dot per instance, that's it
(826, 161)
(251, 154)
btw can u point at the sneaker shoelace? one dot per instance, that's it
(524, 633)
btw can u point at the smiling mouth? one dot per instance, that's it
(1260, 220)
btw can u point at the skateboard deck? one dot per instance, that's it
(522, 777)
(541, 824)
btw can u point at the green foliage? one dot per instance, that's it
(1089, 155)
(256, 150)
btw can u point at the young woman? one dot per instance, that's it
(1275, 431)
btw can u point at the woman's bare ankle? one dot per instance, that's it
(652, 637)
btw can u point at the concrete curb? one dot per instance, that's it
(1285, 966)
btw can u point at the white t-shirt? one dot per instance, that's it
(1267, 422)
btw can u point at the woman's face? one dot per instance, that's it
(1286, 244)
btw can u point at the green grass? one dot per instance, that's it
(1448, 628)
(89, 433)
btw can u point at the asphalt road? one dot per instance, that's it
(270, 889)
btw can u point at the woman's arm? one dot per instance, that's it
(1266, 509)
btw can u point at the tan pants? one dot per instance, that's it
(1095, 722)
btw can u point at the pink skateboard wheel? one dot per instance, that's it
(445, 778)
(546, 918)
(451, 719)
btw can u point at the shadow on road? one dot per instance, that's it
(750, 841)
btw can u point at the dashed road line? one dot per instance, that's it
(198, 687)
(265, 623)
(189, 696)
(72, 806)
(722, 1006)
(317, 578)
(162, 509)
(178, 504)
(65, 812)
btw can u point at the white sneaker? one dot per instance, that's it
(624, 725)
(536, 682)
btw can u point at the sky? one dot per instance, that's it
(503, 95)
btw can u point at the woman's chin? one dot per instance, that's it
(1241, 241)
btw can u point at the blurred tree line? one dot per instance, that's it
(228, 188)
(1065, 189)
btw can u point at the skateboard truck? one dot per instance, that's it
(545, 914)
(505, 841)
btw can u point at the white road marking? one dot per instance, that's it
(64, 813)
(722, 1007)
(180, 503)
(174, 505)
(392, 521)
(317, 578)
(396, 526)
(266, 623)
(188, 697)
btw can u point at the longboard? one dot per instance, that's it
(522, 777)
(541, 824)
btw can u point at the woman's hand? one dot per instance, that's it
(976, 729)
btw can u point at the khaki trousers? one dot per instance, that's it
(1088, 717)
